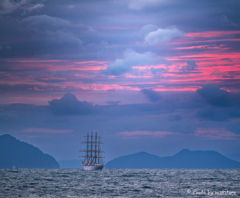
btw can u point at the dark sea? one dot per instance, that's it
(119, 183)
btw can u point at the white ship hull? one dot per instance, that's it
(93, 167)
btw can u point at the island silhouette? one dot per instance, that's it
(184, 159)
(17, 154)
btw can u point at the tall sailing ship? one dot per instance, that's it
(92, 160)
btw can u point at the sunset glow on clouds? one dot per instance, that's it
(157, 134)
(161, 69)
(43, 130)
(189, 67)
(215, 134)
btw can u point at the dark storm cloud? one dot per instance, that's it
(218, 114)
(79, 30)
(40, 35)
(207, 103)
(10, 6)
(195, 9)
(54, 30)
(151, 95)
(53, 33)
(70, 105)
(45, 22)
(221, 105)
(218, 97)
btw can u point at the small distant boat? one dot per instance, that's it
(92, 160)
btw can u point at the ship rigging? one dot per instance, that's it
(92, 160)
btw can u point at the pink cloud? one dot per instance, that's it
(217, 47)
(56, 65)
(158, 134)
(207, 37)
(213, 133)
(210, 34)
(44, 130)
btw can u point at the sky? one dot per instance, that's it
(149, 75)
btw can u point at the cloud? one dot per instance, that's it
(62, 37)
(147, 29)
(45, 22)
(191, 66)
(6, 89)
(225, 20)
(159, 134)
(152, 96)
(155, 70)
(175, 117)
(139, 4)
(162, 35)
(215, 133)
(215, 96)
(71, 6)
(70, 105)
(224, 105)
(52, 29)
(218, 114)
(44, 130)
(9, 6)
(35, 7)
(50, 35)
(109, 102)
(130, 59)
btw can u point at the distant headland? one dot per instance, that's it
(185, 159)
(17, 154)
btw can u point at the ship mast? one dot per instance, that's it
(87, 147)
(91, 147)
(99, 148)
(93, 150)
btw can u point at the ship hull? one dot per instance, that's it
(94, 167)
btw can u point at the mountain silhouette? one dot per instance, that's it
(14, 153)
(183, 159)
